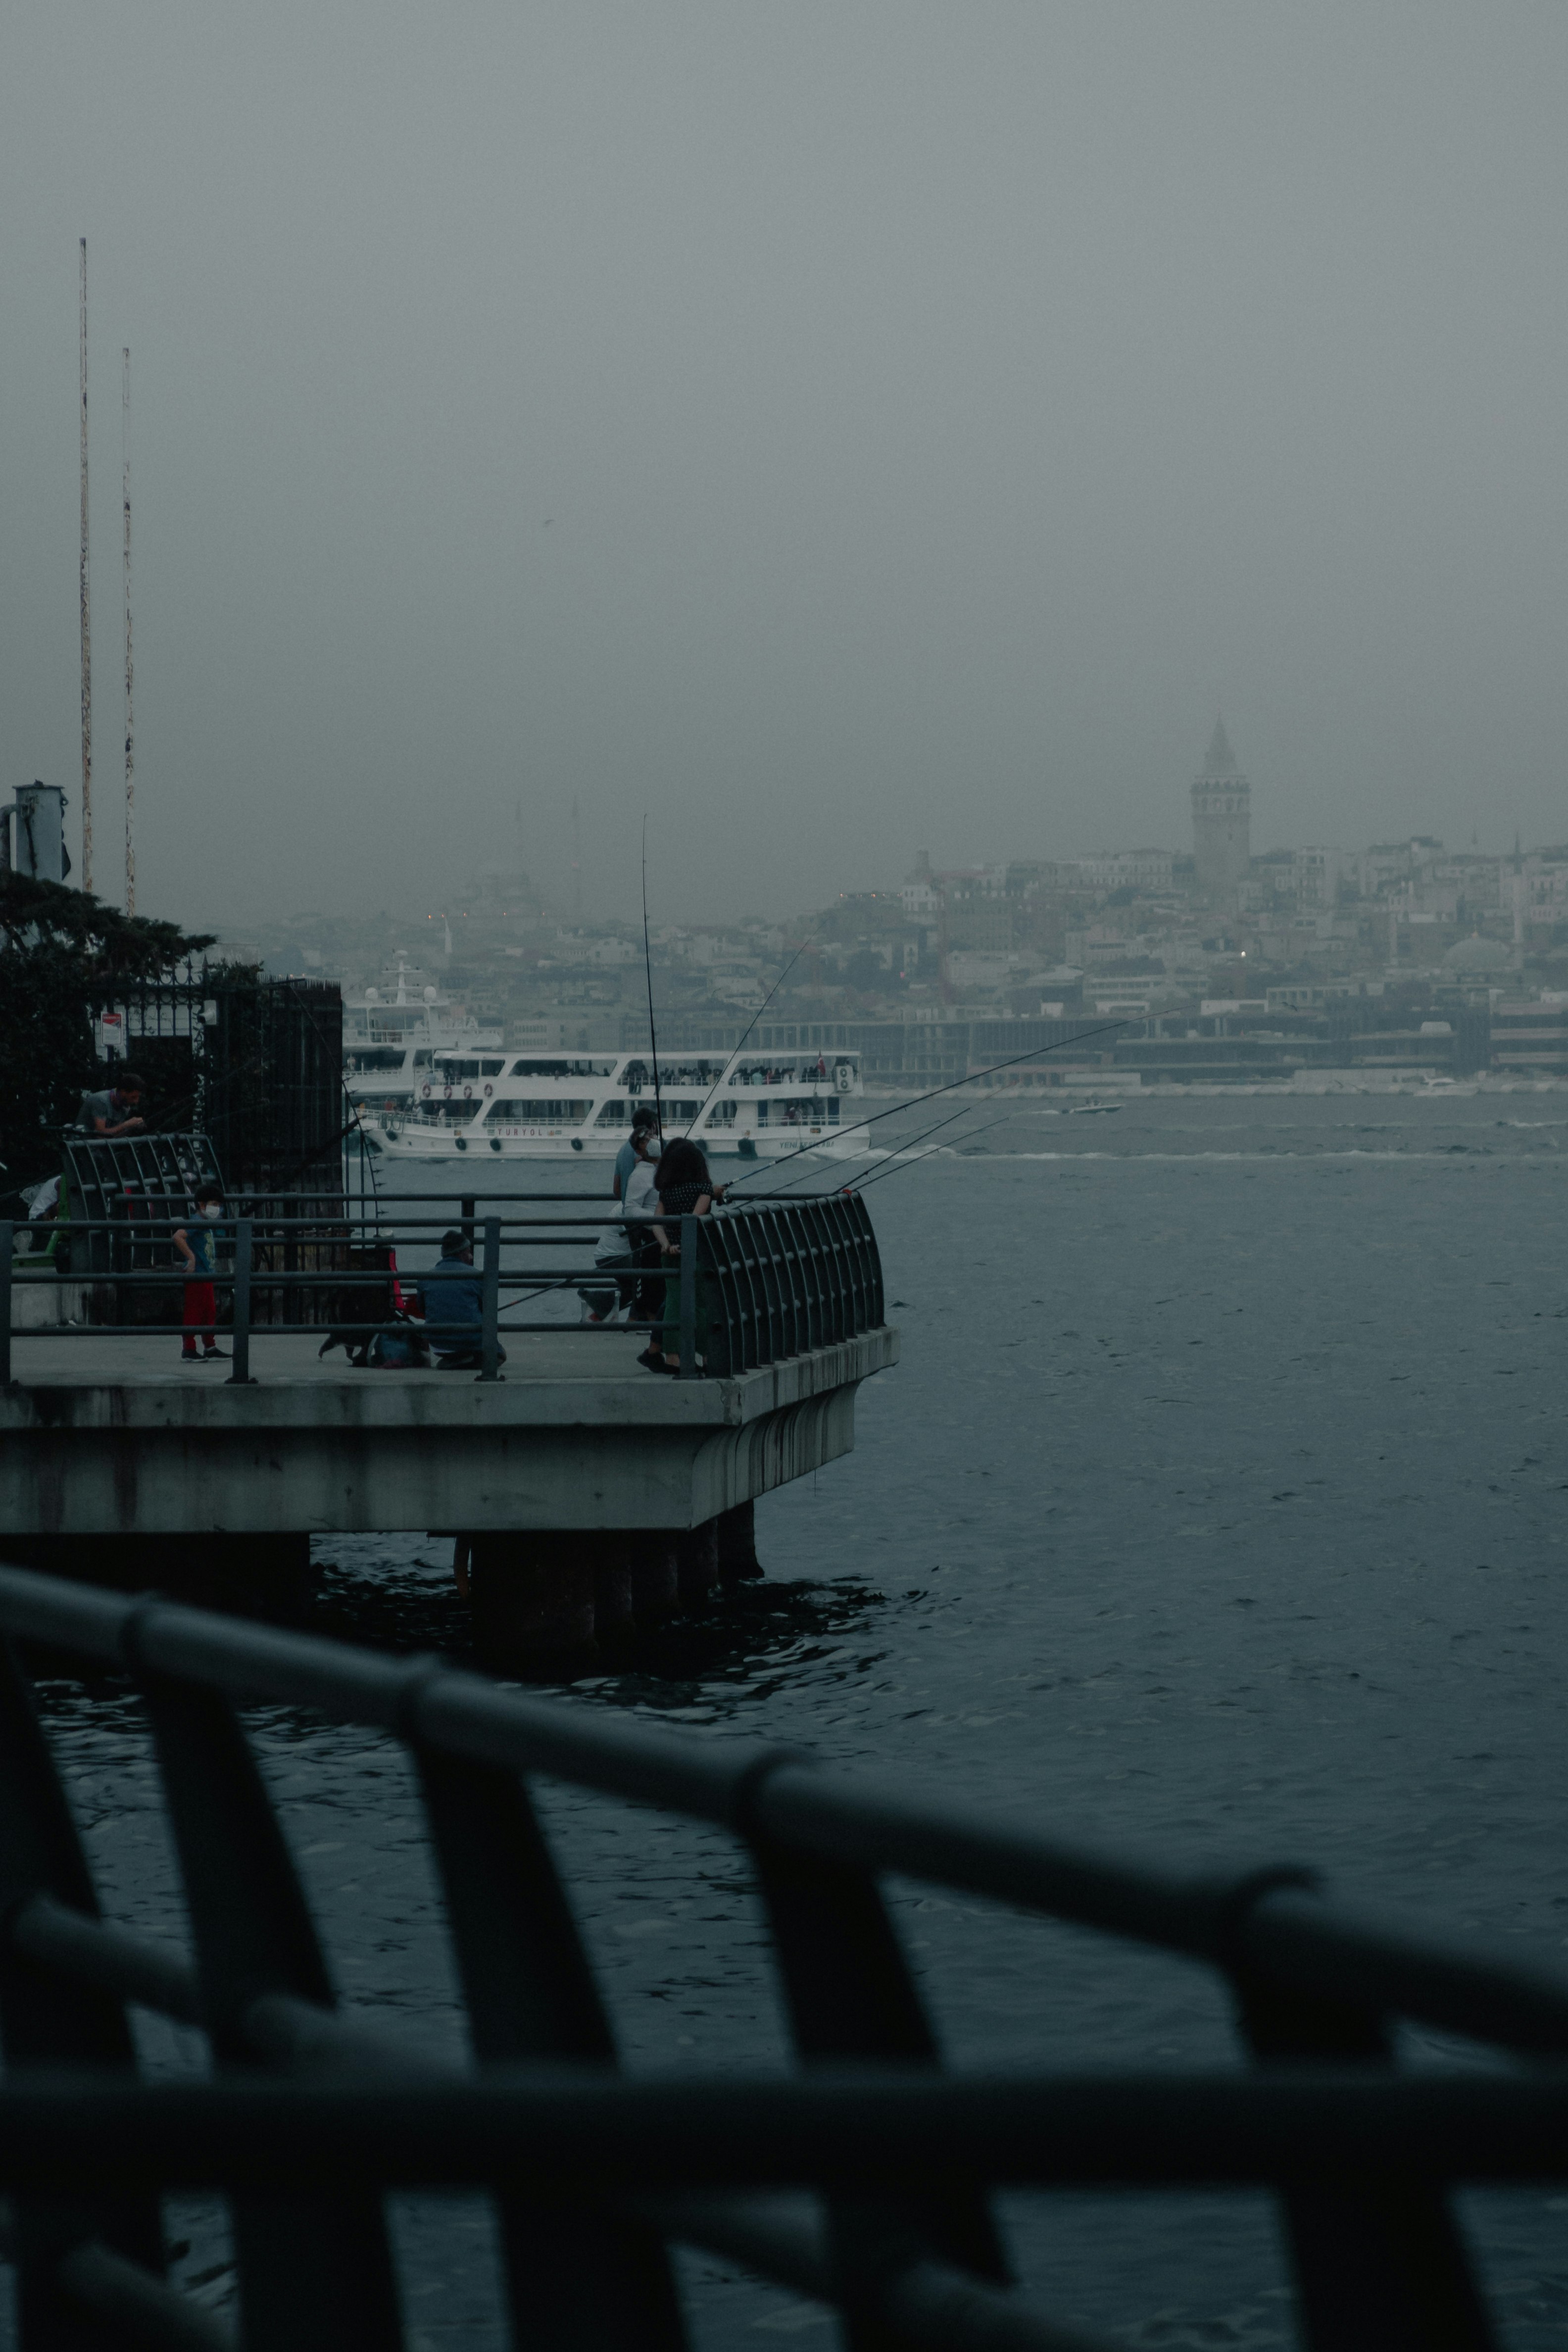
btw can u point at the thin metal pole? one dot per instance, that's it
(489, 1302)
(130, 721)
(688, 1297)
(240, 1376)
(6, 1232)
(86, 627)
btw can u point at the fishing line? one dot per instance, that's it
(1012, 1062)
(755, 1018)
(899, 1164)
(791, 1191)
(647, 962)
(901, 1158)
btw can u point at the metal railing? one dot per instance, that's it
(311, 2116)
(750, 1286)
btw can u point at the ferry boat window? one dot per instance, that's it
(797, 1113)
(422, 1057)
(451, 1067)
(531, 1110)
(589, 1067)
(613, 1114)
(384, 1059)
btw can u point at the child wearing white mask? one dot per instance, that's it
(197, 1245)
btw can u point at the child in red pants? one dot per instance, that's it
(197, 1245)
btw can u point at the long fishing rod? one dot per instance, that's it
(895, 1151)
(1034, 1053)
(900, 1154)
(648, 964)
(896, 1166)
(752, 1022)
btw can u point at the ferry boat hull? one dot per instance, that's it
(413, 1142)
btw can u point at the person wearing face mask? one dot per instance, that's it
(197, 1245)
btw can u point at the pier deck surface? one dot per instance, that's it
(117, 1435)
(105, 1362)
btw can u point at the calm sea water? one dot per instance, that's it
(1216, 1510)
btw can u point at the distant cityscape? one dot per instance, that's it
(1219, 963)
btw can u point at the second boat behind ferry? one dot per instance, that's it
(391, 1038)
(533, 1106)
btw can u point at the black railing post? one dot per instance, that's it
(46, 2023)
(688, 1297)
(465, 1207)
(489, 1300)
(240, 1376)
(578, 2275)
(8, 1231)
(1378, 2257)
(315, 2272)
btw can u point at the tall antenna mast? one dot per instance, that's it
(130, 722)
(86, 630)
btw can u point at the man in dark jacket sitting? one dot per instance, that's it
(453, 1298)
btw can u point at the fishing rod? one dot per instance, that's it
(900, 1156)
(647, 962)
(1012, 1062)
(754, 1019)
(896, 1166)
(895, 1151)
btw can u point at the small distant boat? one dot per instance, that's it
(1089, 1110)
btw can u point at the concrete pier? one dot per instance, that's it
(112, 1451)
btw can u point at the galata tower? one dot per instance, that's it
(1222, 824)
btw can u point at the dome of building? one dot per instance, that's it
(1476, 954)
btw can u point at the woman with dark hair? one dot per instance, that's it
(684, 1189)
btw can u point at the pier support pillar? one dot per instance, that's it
(533, 1597)
(656, 1591)
(738, 1544)
(696, 1563)
(615, 1618)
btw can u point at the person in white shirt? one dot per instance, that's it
(625, 1249)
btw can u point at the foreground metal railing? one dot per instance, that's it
(752, 1286)
(311, 2116)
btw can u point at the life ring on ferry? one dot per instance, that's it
(467, 1094)
(424, 1090)
(488, 1091)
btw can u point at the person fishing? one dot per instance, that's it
(627, 1251)
(684, 1189)
(111, 1110)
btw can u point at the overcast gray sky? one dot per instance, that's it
(836, 429)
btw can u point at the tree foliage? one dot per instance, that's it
(64, 956)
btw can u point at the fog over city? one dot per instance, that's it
(833, 432)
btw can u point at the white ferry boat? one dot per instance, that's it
(531, 1106)
(391, 1039)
